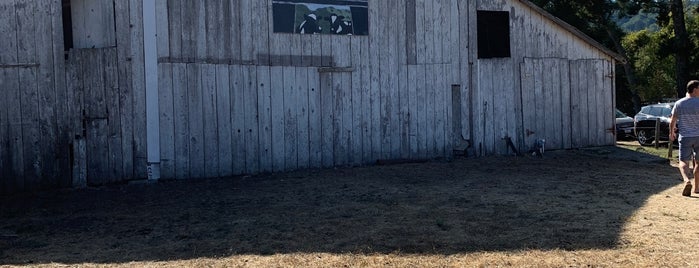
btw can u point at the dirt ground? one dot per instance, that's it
(605, 206)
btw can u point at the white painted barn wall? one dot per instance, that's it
(289, 101)
(237, 98)
(497, 99)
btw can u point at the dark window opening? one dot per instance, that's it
(67, 27)
(493, 34)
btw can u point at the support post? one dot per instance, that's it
(150, 51)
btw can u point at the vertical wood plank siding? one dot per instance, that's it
(237, 98)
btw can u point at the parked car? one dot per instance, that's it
(644, 123)
(624, 126)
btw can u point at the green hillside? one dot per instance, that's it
(647, 20)
(638, 22)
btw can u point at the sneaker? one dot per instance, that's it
(687, 189)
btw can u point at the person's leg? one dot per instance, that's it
(686, 151)
(685, 171)
(695, 170)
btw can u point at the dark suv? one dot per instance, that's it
(644, 122)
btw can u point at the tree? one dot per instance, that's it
(654, 66)
(670, 12)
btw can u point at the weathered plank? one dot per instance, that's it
(29, 94)
(6, 174)
(290, 105)
(11, 139)
(342, 93)
(278, 125)
(590, 103)
(528, 105)
(74, 86)
(138, 86)
(582, 100)
(111, 94)
(196, 118)
(410, 32)
(401, 84)
(166, 101)
(175, 26)
(485, 107)
(162, 28)
(430, 32)
(413, 103)
(95, 117)
(216, 35)
(247, 45)
(439, 14)
(566, 128)
(453, 51)
(439, 109)
(375, 128)
(235, 30)
(63, 111)
(261, 39)
(383, 86)
(223, 121)
(326, 106)
(8, 20)
(188, 20)
(556, 110)
(211, 127)
(609, 103)
(303, 140)
(252, 160)
(126, 101)
(365, 104)
(238, 117)
(422, 122)
(393, 99)
(181, 121)
(314, 118)
(430, 119)
(539, 101)
(264, 104)
(356, 112)
(49, 143)
(602, 102)
(200, 34)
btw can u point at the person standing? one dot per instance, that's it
(685, 114)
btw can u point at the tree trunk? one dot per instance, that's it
(628, 69)
(681, 47)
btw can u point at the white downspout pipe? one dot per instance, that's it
(150, 52)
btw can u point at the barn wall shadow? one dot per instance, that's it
(568, 199)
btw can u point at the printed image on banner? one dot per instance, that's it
(321, 17)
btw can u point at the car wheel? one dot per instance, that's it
(644, 138)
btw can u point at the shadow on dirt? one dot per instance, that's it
(576, 199)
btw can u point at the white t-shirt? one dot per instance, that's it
(687, 112)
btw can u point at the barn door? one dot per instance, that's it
(592, 103)
(92, 77)
(569, 104)
(545, 102)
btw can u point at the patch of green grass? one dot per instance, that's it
(661, 151)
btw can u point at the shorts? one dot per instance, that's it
(688, 147)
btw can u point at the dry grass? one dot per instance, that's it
(608, 206)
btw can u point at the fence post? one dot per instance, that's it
(657, 133)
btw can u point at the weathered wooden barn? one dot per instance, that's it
(97, 92)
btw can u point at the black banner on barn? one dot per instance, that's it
(321, 17)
